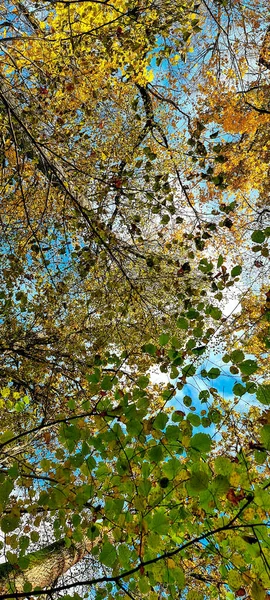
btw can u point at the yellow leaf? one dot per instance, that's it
(149, 75)
(171, 564)
(5, 392)
(235, 479)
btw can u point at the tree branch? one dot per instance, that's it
(142, 564)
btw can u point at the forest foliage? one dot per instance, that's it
(135, 428)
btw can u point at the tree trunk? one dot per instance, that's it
(45, 566)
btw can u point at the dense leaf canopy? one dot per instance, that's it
(134, 159)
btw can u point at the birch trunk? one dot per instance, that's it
(45, 566)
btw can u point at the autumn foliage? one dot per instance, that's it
(134, 299)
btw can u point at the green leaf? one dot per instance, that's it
(76, 519)
(201, 442)
(192, 313)
(177, 416)
(236, 271)
(179, 577)
(23, 562)
(24, 542)
(258, 592)
(163, 339)
(204, 395)
(160, 523)
(5, 490)
(174, 373)
(226, 358)
(215, 313)
(263, 394)
(199, 350)
(172, 432)
(237, 356)
(9, 523)
(124, 554)
(266, 341)
(11, 557)
(214, 415)
(107, 383)
(144, 585)
(218, 179)
(205, 266)
(165, 219)
(160, 421)
(248, 367)
(45, 464)
(189, 370)
(72, 404)
(191, 343)
(198, 332)
(187, 401)
(171, 468)
(194, 419)
(234, 579)
(260, 457)
(6, 435)
(258, 236)
(143, 381)
(93, 532)
(156, 453)
(220, 261)
(223, 465)
(198, 481)
(213, 373)
(95, 377)
(149, 349)
(265, 436)
(194, 594)
(220, 485)
(239, 389)
(134, 427)
(108, 554)
(144, 488)
(182, 323)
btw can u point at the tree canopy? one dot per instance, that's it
(134, 453)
